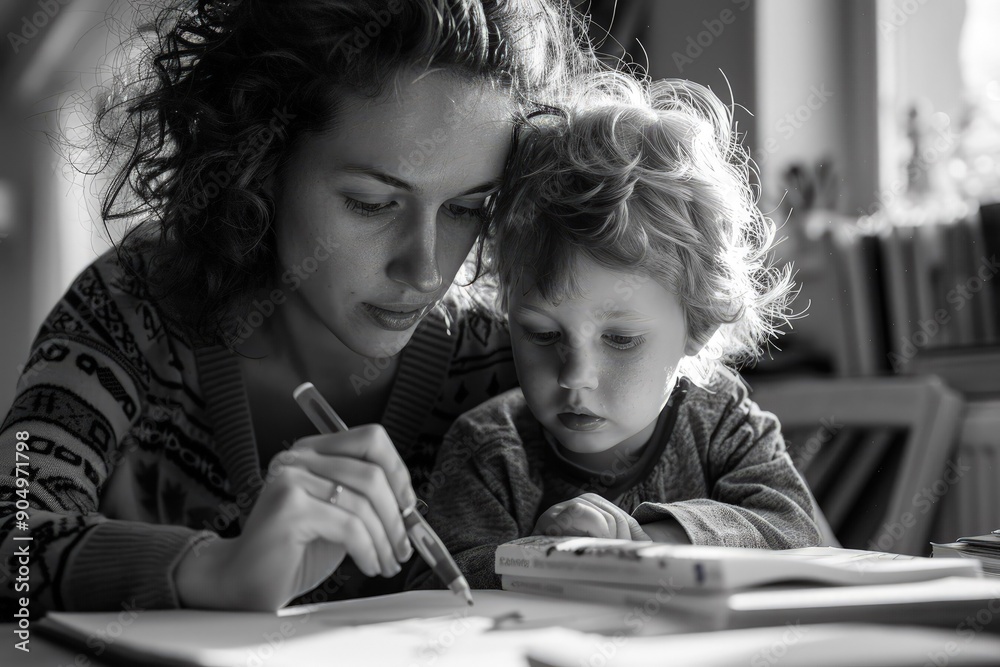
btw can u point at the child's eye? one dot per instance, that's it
(620, 342)
(365, 208)
(541, 337)
(475, 214)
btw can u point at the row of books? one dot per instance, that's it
(713, 588)
(913, 288)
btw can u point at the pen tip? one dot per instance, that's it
(468, 598)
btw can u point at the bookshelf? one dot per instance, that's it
(920, 295)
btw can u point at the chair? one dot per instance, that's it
(873, 451)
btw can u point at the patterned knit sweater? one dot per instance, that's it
(716, 463)
(141, 445)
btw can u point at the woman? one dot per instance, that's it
(311, 176)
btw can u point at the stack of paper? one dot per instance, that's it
(723, 587)
(983, 548)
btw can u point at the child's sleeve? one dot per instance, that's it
(479, 495)
(77, 398)
(756, 496)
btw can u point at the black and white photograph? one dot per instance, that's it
(506, 333)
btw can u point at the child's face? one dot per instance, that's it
(597, 368)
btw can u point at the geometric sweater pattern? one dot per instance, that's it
(140, 444)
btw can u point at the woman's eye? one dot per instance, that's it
(366, 208)
(456, 211)
(541, 337)
(620, 342)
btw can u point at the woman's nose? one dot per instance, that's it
(415, 262)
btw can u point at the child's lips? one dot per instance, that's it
(580, 422)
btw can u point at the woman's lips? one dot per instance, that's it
(393, 320)
(578, 422)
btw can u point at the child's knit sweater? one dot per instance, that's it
(716, 463)
(141, 445)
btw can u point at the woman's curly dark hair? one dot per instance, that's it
(227, 87)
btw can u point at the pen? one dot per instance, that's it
(423, 537)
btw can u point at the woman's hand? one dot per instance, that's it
(589, 515)
(295, 537)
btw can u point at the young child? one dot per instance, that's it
(631, 261)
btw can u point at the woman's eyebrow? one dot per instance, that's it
(379, 176)
(487, 187)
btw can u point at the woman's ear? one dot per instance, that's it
(693, 347)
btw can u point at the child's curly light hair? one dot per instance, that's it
(651, 178)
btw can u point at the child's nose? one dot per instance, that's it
(578, 369)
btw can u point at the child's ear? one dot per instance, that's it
(693, 347)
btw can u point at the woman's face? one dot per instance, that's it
(375, 216)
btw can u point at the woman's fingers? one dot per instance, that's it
(349, 530)
(349, 501)
(364, 480)
(370, 443)
(351, 518)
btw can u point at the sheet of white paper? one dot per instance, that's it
(794, 644)
(404, 629)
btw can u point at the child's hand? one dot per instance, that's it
(589, 515)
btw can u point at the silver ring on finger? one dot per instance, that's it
(337, 490)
